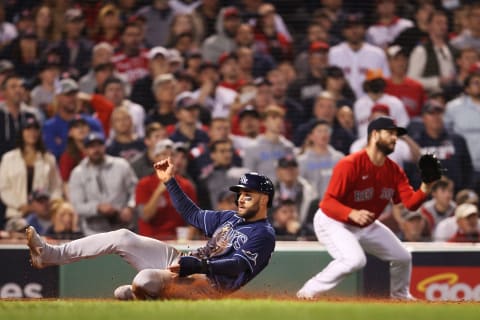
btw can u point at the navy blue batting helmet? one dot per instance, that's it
(255, 182)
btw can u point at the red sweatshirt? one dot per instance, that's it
(357, 183)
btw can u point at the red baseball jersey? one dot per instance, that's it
(357, 183)
(163, 225)
(133, 68)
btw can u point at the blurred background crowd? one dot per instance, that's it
(92, 93)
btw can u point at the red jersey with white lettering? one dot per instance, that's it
(134, 67)
(357, 183)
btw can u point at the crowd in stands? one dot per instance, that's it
(92, 93)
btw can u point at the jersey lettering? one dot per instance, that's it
(363, 195)
(386, 194)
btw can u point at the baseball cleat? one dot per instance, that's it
(124, 293)
(36, 245)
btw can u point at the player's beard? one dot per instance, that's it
(384, 147)
(250, 213)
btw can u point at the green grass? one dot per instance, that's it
(230, 309)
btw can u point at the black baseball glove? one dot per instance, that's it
(430, 168)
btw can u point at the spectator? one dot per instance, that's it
(333, 80)
(158, 218)
(325, 109)
(355, 56)
(245, 60)
(432, 63)
(78, 130)
(462, 115)
(104, 189)
(143, 164)
(261, 62)
(413, 227)
(466, 196)
(270, 146)
(206, 15)
(102, 73)
(125, 143)
(305, 89)
(107, 26)
(44, 26)
(346, 119)
(163, 111)
(399, 85)
(185, 24)
(219, 129)
(449, 147)
(158, 17)
(142, 91)
(55, 130)
(187, 129)
(409, 38)
(316, 33)
(294, 111)
(249, 122)
(27, 168)
(268, 37)
(13, 112)
(441, 206)
(374, 86)
(462, 227)
(230, 71)
(115, 92)
(175, 60)
(38, 215)
(228, 21)
(215, 100)
(285, 221)
(24, 53)
(181, 160)
(470, 37)
(64, 225)
(219, 172)
(467, 61)
(388, 25)
(319, 158)
(43, 94)
(292, 186)
(131, 59)
(74, 48)
(102, 54)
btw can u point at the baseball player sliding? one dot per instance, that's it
(240, 246)
(362, 184)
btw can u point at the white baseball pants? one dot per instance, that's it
(139, 251)
(346, 244)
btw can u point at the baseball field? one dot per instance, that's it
(230, 309)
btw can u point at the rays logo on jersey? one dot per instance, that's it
(222, 240)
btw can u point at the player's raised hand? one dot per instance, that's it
(361, 217)
(164, 169)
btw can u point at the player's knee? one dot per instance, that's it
(403, 257)
(354, 263)
(149, 283)
(122, 238)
